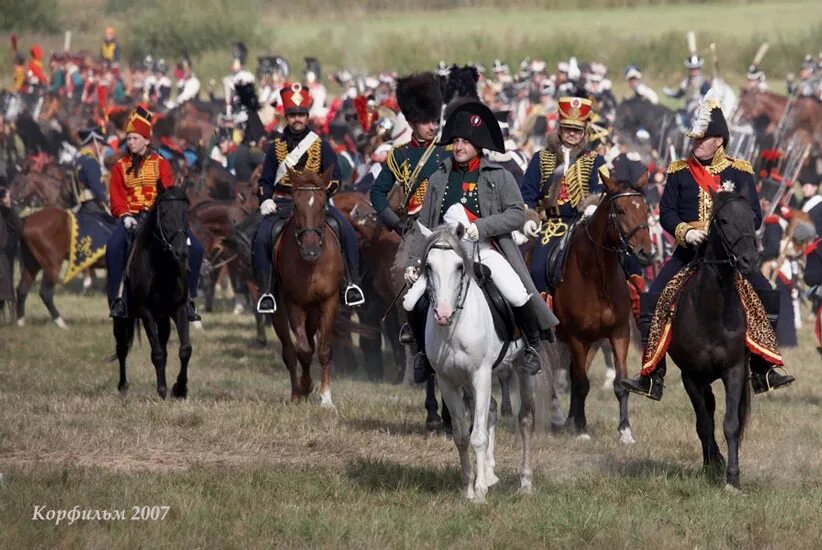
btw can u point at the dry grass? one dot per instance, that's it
(240, 467)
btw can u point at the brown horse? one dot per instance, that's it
(45, 246)
(378, 246)
(31, 188)
(765, 110)
(309, 266)
(592, 301)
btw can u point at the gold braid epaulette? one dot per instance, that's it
(677, 165)
(401, 172)
(742, 165)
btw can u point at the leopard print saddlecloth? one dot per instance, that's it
(759, 336)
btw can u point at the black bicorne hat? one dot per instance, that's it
(708, 120)
(476, 123)
(87, 135)
(419, 97)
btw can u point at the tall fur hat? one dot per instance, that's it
(461, 82)
(419, 97)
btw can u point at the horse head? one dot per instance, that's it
(448, 272)
(309, 192)
(731, 232)
(628, 217)
(170, 215)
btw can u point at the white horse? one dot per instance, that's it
(462, 346)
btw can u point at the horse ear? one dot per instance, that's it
(459, 231)
(424, 230)
(610, 185)
(642, 181)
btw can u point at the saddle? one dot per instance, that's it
(555, 263)
(501, 312)
(89, 230)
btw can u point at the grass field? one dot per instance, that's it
(240, 467)
(405, 40)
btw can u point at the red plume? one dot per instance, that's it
(102, 93)
(363, 114)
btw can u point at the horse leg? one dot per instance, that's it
(47, 295)
(714, 454)
(324, 354)
(491, 462)
(259, 320)
(289, 352)
(123, 335)
(526, 431)
(392, 334)
(737, 405)
(29, 273)
(305, 350)
(579, 388)
(610, 363)
(504, 377)
(180, 387)
(704, 418)
(479, 431)
(433, 422)
(154, 332)
(619, 347)
(453, 397)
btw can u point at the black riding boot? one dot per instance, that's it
(764, 376)
(649, 385)
(352, 294)
(416, 320)
(191, 312)
(266, 303)
(526, 319)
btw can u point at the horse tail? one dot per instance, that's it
(131, 329)
(745, 403)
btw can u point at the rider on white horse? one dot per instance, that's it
(492, 206)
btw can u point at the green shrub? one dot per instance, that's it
(28, 15)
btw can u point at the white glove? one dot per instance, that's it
(411, 275)
(695, 237)
(531, 229)
(129, 222)
(472, 232)
(268, 207)
(589, 211)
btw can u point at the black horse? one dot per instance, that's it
(157, 290)
(636, 114)
(708, 330)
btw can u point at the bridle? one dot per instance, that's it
(160, 233)
(300, 232)
(624, 248)
(727, 245)
(465, 281)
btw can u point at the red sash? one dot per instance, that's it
(704, 179)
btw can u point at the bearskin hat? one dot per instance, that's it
(419, 97)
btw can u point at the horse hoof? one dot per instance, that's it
(260, 343)
(197, 324)
(21, 322)
(583, 437)
(123, 389)
(525, 488)
(491, 478)
(239, 309)
(162, 391)
(60, 323)
(626, 437)
(730, 489)
(178, 391)
(506, 411)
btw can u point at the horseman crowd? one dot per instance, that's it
(516, 157)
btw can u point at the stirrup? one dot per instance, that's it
(266, 310)
(357, 302)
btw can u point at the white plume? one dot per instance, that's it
(702, 117)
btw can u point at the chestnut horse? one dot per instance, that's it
(592, 300)
(309, 268)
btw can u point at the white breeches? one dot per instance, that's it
(503, 275)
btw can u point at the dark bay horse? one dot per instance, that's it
(592, 300)
(309, 267)
(708, 336)
(157, 290)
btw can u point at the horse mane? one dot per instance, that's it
(445, 238)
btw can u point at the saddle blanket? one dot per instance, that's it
(88, 234)
(759, 336)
